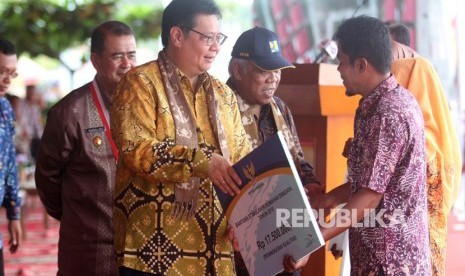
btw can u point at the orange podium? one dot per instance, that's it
(324, 118)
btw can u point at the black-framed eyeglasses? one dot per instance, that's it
(4, 73)
(219, 38)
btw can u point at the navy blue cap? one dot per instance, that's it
(260, 46)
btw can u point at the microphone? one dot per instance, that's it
(364, 2)
(328, 49)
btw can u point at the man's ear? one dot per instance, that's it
(95, 60)
(237, 71)
(361, 65)
(176, 36)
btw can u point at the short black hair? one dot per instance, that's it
(400, 33)
(7, 48)
(97, 41)
(183, 13)
(366, 37)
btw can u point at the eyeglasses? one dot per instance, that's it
(219, 38)
(4, 73)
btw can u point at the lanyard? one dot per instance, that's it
(104, 120)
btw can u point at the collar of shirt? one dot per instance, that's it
(368, 102)
(265, 112)
(200, 81)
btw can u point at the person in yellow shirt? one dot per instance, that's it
(444, 164)
(177, 130)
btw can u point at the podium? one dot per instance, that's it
(324, 118)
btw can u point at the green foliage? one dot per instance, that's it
(144, 19)
(47, 27)
(44, 27)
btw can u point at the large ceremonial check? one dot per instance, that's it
(271, 216)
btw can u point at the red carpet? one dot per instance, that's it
(37, 255)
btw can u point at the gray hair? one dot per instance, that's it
(241, 63)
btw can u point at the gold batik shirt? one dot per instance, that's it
(147, 237)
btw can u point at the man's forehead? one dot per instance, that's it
(8, 61)
(202, 19)
(341, 55)
(119, 43)
(117, 52)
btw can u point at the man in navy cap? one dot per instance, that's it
(255, 73)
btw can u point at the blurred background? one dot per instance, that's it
(53, 35)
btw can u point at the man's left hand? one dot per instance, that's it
(232, 238)
(315, 188)
(222, 174)
(291, 266)
(14, 227)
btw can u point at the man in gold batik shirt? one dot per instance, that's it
(178, 131)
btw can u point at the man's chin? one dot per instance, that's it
(350, 93)
(265, 101)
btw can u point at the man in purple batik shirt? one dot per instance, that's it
(388, 157)
(386, 163)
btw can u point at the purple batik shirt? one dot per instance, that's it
(388, 157)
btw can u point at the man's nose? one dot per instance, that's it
(215, 46)
(127, 62)
(6, 78)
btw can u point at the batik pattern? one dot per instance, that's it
(388, 157)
